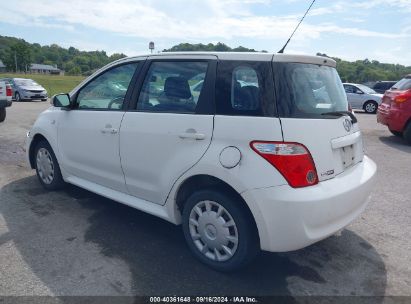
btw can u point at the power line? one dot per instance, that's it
(306, 12)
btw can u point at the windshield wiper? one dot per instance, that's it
(342, 113)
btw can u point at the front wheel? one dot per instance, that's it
(47, 167)
(2, 114)
(219, 231)
(17, 96)
(371, 107)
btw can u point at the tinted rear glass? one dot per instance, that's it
(308, 90)
(403, 84)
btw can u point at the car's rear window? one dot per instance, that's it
(403, 84)
(308, 90)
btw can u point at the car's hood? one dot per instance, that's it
(29, 88)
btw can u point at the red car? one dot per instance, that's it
(395, 109)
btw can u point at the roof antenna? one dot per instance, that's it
(285, 45)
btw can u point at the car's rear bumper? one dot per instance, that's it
(289, 219)
(5, 103)
(393, 117)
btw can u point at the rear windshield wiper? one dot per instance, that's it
(342, 113)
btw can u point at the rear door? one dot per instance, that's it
(306, 93)
(169, 126)
(354, 96)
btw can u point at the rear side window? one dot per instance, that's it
(245, 88)
(308, 90)
(403, 84)
(174, 87)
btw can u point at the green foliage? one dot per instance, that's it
(71, 60)
(363, 71)
(219, 47)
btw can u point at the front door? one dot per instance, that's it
(88, 136)
(170, 128)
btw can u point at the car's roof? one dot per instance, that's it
(350, 83)
(246, 56)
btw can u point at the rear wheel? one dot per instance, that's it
(371, 107)
(47, 167)
(396, 133)
(2, 114)
(218, 231)
(407, 133)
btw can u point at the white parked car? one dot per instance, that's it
(362, 97)
(275, 165)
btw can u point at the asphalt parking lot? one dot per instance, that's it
(74, 242)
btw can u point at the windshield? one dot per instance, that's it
(26, 82)
(365, 89)
(308, 90)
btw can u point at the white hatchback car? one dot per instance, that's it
(362, 97)
(265, 156)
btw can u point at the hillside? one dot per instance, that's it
(71, 60)
(76, 62)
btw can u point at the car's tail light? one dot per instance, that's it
(403, 96)
(9, 92)
(292, 160)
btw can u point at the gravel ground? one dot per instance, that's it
(74, 242)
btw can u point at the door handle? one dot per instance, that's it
(192, 134)
(109, 131)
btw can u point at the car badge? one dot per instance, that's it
(347, 125)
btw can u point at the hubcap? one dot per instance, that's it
(213, 231)
(370, 107)
(45, 166)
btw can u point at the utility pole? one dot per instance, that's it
(15, 60)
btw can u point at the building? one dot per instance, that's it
(36, 68)
(2, 67)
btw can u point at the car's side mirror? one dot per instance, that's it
(61, 101)
(359, 92)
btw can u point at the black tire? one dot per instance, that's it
(17, 96)
(45, 99)
(370, 107)
(396, 133)
(57, 181)
(2, 114)
(248, 242)
(407, 133)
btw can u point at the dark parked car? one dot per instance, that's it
(395, 110)
(382, 86)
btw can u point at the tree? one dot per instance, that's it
(18, 57)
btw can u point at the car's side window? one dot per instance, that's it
(245, 88)
(349, 89)
(174, 87)
(108, 90)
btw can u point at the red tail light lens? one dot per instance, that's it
(403, 96)
(292, 160)
(9, 92)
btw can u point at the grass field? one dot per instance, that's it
(53, 84)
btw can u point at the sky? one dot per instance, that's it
(352, 30)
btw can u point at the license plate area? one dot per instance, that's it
(347, 155)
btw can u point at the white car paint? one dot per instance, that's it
(358, 95)
(141, 159)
